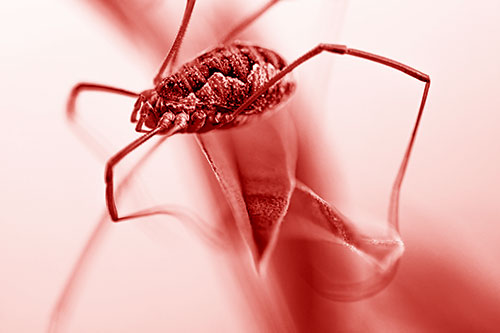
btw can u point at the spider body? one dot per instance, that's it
(222, 88)
(206, 91)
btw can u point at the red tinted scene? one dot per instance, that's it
(274, 166)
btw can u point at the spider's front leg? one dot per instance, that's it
(86, 86)
(165, 128)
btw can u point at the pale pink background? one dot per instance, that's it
(161, 277)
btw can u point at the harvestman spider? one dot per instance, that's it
(221, 88)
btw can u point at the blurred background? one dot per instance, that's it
(158, 276)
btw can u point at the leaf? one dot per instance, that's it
(323, 226)
(255, 166)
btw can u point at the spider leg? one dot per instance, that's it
(180, 123)
(344, 50)
(110, 197)
(172, 53)
(82, 86)
(65, 298)
(80, 130)
(247, 21)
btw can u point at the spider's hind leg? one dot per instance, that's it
(174, 49)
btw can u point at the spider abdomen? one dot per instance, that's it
(217, 82)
